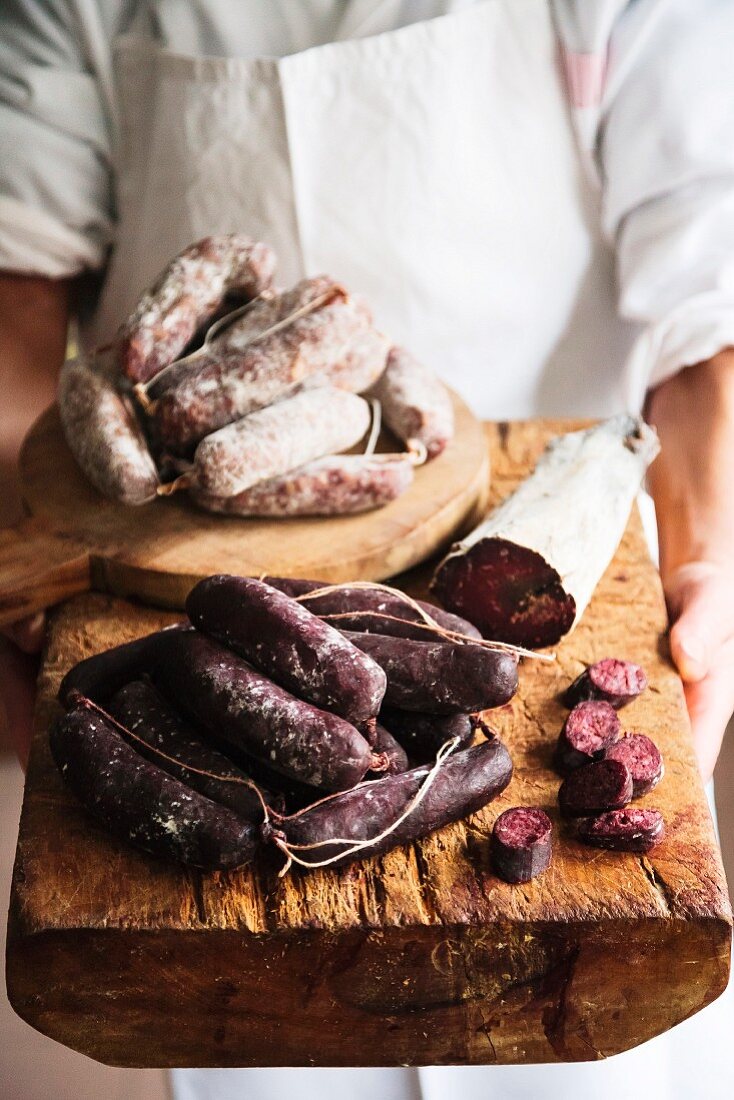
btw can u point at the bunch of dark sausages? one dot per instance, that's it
(246, 396)
(335, 722)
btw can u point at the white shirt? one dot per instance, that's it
(650, 81)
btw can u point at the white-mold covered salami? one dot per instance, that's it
(415, 403)
(103, 434)
(337, 485)
(272, 441)
(526, 574)
(185, 295)
(252, 363)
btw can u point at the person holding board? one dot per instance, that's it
(537, 198)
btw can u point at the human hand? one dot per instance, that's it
(19, 648)
(700, 599)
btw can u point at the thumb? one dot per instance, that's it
(702, 626)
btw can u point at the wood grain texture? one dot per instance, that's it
(420, 957)
(158, 551)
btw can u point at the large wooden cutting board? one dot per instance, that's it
(76, 540)
(420, 957)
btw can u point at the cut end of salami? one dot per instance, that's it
(510, 592)
(642, 759)
(589, 729)
(522, 843)
(629, 830)
(616, 682)
(603, 785)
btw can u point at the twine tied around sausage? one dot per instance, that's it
(354, 846)
(140, 389)
(428, 621)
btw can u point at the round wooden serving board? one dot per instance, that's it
(75, 539)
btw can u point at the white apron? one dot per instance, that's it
(432, 168)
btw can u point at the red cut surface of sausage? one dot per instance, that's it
(248, 366)
(185, 295)
(139, 802)
(509, 591)
(397, 758)
(225, 695)
(363, 609)
(98, 677)
(616, 682)
(290, 644)
(628, 830)
(103, 434)
(415, 403)
(337, 485)
(642, 758)
(272, 441)
(440, 677)
(603, 785)
(422, 735)
(588, 730)
(466, 782)
(158, 729)
(522, 843)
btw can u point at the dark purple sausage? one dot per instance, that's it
(397, 758)
(522, 843)
(603, 785)
(588, 730)
(642, 758)
(616, 682)
(151, 718)
(224, 694)
(466, 781)
(440, 677)
(424, 734)
(288, 643)
(100, 676)
(363, 609)
(139, 802)
(628, 830)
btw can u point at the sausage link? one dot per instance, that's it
(138, 802)
(158, 729)
(272, 441)
(185, 295)
(225, 695)
(100, 676)
(465, 782)
(364, 609)
(288, 643)
(338, 485)
(415, 403)
(103, 434)
(424, 734)
(395, 754)
(247, 368)
(439, 677)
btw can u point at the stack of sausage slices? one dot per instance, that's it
(246, 396)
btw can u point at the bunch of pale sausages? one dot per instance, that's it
(246, 396)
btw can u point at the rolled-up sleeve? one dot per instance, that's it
(56, 208)
(666, 151)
